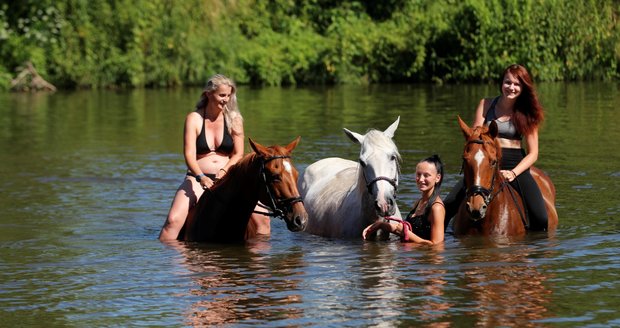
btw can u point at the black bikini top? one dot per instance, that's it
(225, 147)
(505, 129)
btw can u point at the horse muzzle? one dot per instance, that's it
(385, 207)
(476, 210)
(297, 218)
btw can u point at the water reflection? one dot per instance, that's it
(408, 282)
(243, 283)
(435, 312)
(507, 288)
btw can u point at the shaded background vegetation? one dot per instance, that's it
(160, 43)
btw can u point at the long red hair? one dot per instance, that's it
(529, 113)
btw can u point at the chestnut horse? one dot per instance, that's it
(266, 175)
(492, 207)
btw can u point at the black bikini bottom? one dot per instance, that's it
(208, 175)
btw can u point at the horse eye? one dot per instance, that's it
(275, 177)
(393, 158)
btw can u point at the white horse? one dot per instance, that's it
(342, 197)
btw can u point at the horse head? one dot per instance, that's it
(481, 157)
(379, 162)
(280, 178)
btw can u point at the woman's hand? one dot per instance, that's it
(371, 229)
(206, 183)
(220, 173)
(508, 175)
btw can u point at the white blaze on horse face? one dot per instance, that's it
(287, 166)
(479, 157)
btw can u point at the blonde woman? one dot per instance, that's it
(213, 141)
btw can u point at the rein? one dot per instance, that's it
(276, 210)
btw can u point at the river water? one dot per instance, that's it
(87, 178)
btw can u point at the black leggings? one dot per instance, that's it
(524, 184)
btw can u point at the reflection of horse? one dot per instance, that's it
(266, 175)
(489, 196)
(242, 285)
(505, 286)
(343, 197)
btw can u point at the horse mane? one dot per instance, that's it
(246, 163)
(239, 169)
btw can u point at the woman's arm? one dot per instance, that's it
(481, 112)
(189, 142)
(238, 137)
(532, 153)
(390, 227)
(437, 219)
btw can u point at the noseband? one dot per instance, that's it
(393, 182)
(279, 207)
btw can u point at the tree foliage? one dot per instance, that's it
(160, 43)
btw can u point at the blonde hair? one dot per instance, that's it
(232, 115)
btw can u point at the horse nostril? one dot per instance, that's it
(378, 207)
(299, 222)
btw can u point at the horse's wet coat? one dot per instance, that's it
(266, 175)
(492, 206)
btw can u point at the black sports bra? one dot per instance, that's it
(225, 147)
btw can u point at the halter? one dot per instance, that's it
(279, 207)
(393, 182)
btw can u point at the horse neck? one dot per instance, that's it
(245, 173)
(496, 219)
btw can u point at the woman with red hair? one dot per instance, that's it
(518, 115)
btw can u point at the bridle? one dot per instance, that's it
(279, 207)
(393, 182)
(486, 193)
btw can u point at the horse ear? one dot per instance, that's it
(493, 129)
(292, 145)
(354, 136)
(389, 132)
(258, 148)
(464, 127)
